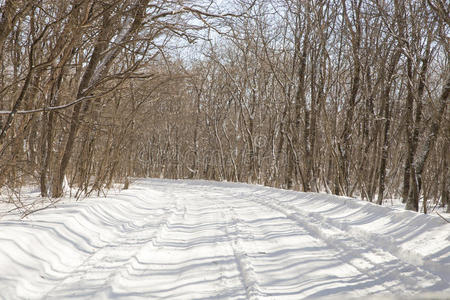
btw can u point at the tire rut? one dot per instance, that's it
(246, 271)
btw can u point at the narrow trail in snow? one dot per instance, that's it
(203, 240)
(246, 272)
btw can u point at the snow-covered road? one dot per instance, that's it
(200, 240)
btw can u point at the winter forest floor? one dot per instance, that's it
(164, 239)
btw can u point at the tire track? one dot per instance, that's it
(246, 271)
(247, 275)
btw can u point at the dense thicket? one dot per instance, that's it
(346, 96)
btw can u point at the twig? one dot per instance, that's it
(443, 217)
(52, 204)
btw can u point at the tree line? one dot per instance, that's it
(345, 96)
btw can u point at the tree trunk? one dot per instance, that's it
(418, 166)
(385, 100)
(90, 72)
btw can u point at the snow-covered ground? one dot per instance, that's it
(165, 239)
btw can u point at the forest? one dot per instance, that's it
(348, 97)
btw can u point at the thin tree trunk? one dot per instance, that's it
(385, 100)
(418, 166)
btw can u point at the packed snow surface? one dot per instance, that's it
(164, 239)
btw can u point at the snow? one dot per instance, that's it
(167, 239)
